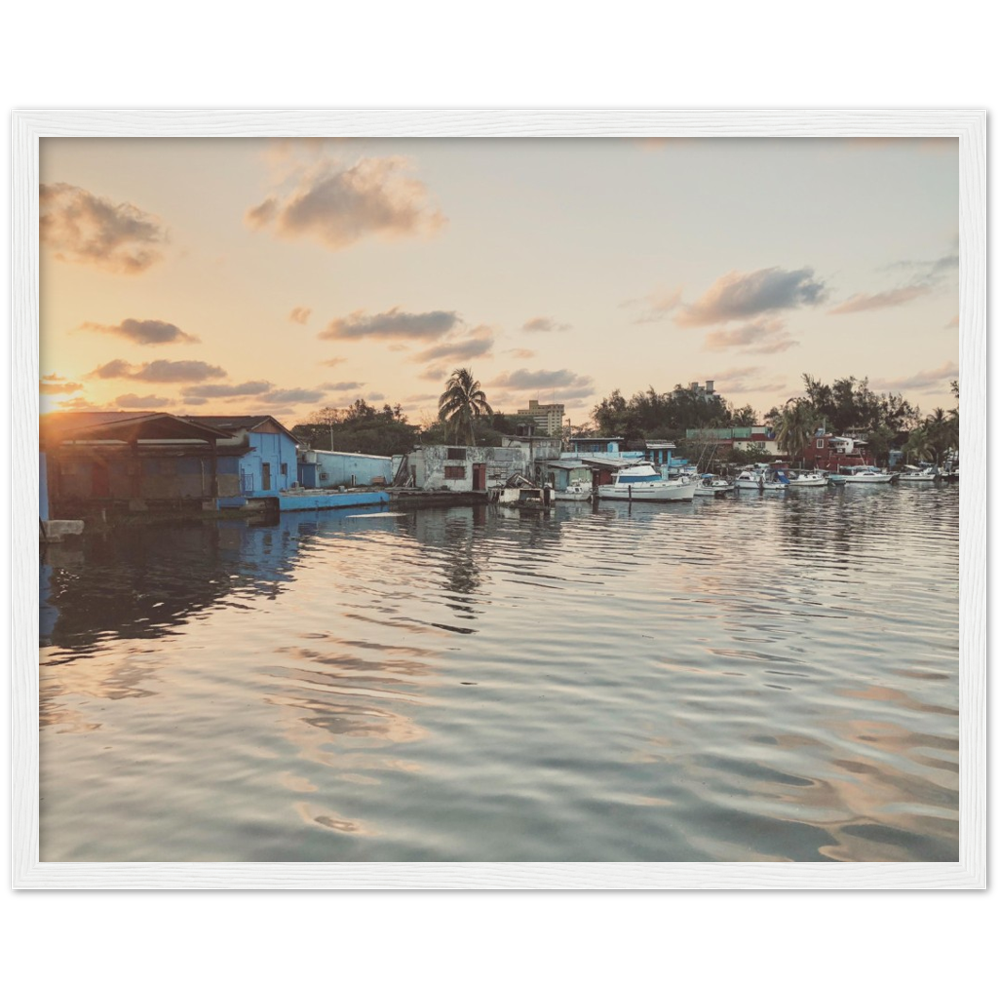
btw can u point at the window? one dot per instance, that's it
(454, 472)
(284, 468)
(458, 453)
(820, 442)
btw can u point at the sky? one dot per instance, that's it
(236, 276)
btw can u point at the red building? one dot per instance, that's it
(830, 452)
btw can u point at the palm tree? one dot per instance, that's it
(795, 427)
(917, 447)
(462, 403)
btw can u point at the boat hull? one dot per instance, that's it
(654, 492)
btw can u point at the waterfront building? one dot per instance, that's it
(265, 452)
(332, 469)
(721, 438)
(830, 452)
(464, 468)
(129, 462)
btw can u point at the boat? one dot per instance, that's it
(808, 479)
(761, 478)
(642, 482)
(710, 486)
(868, 475)
(915, 474)
(575, 491)
(748, 479)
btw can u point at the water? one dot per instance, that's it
(758, 678)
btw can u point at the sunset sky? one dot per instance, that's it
(278, 276)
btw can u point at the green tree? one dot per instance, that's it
(461, 404)
(795, 427)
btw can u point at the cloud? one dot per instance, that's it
(56, 385)
(333, 362)
(434, 374)
(656, 307)
(130, 401)
(921, 380)
(747, 380)
(338, 204)
(194, 400)
(545, 324)
(393, 324)
(144, 331)
(293, 396)
(84, 228)
(740, 296)
(478, 344)
(376, 397)
(78, 403)
(216, 391)
(925, 276)
(300, 314)
(159, 371)
(341, 386)
(521, 352)
(559, 386)
(760, 337)
(881, 300)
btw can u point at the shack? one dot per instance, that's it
(130, 461)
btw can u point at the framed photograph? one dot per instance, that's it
(500, 500)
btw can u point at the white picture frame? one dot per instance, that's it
(968, 127)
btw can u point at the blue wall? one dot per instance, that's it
(344, 468)
(275, 450)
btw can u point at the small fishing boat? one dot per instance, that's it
(868, 475)
(748, 479)
(915, 474)
(710, 486)
(575, 491)
(641, 482)
(808, 479)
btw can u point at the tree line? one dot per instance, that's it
(847, 406)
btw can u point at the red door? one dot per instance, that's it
(478, 476)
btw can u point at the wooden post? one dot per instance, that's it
(215, 469)
(136, 469)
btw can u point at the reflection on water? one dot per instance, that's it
(754, 678)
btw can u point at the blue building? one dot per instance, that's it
(259, 450)
(333, 469)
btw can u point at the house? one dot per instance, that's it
(465, 469)
(830, 452)
(259, 450)
(594, 445)
(723, 438)
(130, 460)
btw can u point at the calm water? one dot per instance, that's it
(745, 679)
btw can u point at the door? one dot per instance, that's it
(265, 475)
(479, 476)
(100, 481)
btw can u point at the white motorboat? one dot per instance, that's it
(749, 479)
(914, 474)
(867, 475)
(710, 486)
(808, 479)
(641, 482)
(761, 479)
(575, 491)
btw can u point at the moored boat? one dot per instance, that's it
(710, 486)
(808, 479)
(915, 474)
(868, 475)
(575, 491)
(641, 482)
